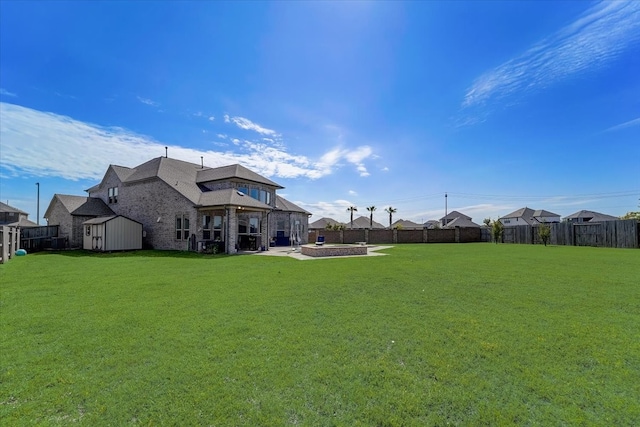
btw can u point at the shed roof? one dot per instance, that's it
(103, 219)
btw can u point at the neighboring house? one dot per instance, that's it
(588, 216)
(461, 221)
(406, 225)
(14, 217)
(364, 222)
(432, 224)
(70, 212)
(528, 216)
(181, 205)
(451, 216)
(322, 223)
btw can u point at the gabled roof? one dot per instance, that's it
(80, 205)
(322, 223)
(454, 215)
(461, 222)
(591, 216)
(406, 224)
(225, 173)
(6, 208)
(184, 177)
(526, 213)
(432, 223)
(285, 205)
(541, 212)
(364, 222)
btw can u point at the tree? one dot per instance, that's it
(371, 209)
(352, 209)
(631, 215)
(496, 230)
(544, 231)
(390, 211)
(487, 222)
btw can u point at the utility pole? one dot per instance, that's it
(38, 205)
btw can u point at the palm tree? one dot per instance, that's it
(391, 211)
(352, 209)
(371, 209)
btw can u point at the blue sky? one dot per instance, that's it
(500, 105)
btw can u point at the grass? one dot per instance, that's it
(475, 334)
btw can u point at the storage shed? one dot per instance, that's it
(112, 233)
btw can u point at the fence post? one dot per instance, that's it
(4, 235)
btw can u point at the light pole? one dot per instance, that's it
(38, 205)
(445, 209)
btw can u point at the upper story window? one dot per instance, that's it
(113, 195)
(258, 193)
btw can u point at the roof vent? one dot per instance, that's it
(240, 193)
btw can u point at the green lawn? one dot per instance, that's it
(467, 334)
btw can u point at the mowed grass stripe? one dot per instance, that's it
(428, 335)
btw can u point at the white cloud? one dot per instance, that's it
(148, 101)
(244, 123)
(355, 157)
(211, 118)
(222, 136)
(352, 193)
(7, 93)
(630, 123)
(226, 118)
(47, 144)
(598, 37)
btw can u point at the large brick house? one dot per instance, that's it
(183, 205)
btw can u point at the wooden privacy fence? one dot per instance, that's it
(385, 236)
(9, 242)
(610, 234)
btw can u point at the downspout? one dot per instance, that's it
(226, 237)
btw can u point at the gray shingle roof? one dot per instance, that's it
(6, 208)
(461, 222)
(184, 177)
(81, 205)
(454, 215)
(364, 222)
(225, 173)
(541, 212)
(285, 205)
(322, 223)
(591, 216)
